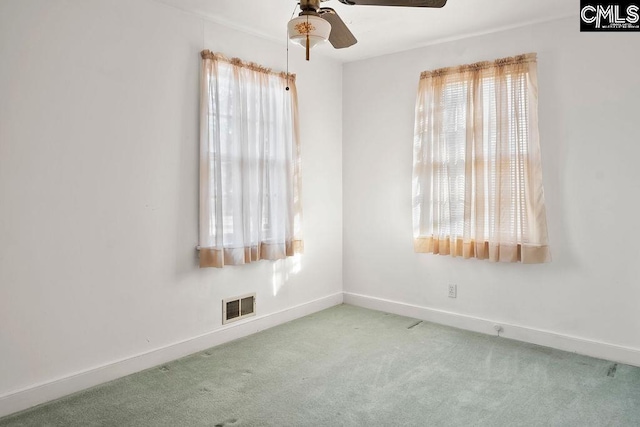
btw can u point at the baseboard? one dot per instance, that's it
(34, 395)
(598, 349)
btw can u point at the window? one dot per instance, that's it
(250, 207)
(477, 180)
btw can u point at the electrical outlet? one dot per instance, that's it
(453, 291)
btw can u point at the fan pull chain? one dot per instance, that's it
(287, 88)
(292, 13)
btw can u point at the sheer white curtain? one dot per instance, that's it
(250, 207)
(477, 175)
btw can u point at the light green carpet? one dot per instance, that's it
(348, 366)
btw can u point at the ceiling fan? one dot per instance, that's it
(316, 24)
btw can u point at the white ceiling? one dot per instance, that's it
(383, 30)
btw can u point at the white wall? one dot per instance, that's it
(99, 185)
(589, 109)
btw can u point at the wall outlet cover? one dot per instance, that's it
(453, 291)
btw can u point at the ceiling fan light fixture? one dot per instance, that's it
(315, 27)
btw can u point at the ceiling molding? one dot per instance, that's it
(468, 36)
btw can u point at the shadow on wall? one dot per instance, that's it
(283, 269)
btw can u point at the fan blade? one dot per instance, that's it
(406, 3)
(340, 36)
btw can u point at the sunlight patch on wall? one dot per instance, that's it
(283, 269)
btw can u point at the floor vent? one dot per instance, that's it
(238, 308)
